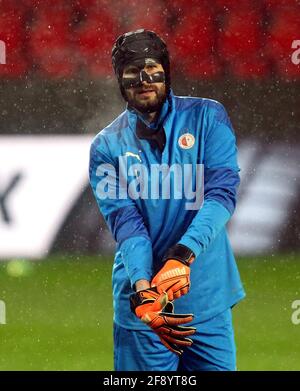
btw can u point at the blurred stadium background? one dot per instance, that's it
(58, 91)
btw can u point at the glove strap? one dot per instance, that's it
(142, 297)
(181, 253)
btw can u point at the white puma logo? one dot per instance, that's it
(133, 155)
(178, 271)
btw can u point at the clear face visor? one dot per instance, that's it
(137, 79)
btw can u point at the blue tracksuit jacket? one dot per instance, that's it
(144, 228)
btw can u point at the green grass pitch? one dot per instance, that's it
(59, 314)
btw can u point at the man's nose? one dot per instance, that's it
(144, 76)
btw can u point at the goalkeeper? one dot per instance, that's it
(175, 278)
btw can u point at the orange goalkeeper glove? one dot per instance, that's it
(148, 305)
(174, 276)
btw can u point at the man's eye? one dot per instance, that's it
(131, 71)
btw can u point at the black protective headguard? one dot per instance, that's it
(138, 45)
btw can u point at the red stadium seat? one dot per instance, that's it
(223, 5)
(180, 8)
(193, 40)
(284, 30)
(51, 41)
(16, 65)
(91, 5)
(281, 3)
(241, 44)
(95, 38)
(251, 67)
(137, 14)
(13, 34)
(239, 38)
(86, 8)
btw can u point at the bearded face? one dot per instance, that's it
(147, 97)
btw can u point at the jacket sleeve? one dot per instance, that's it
(120, 213)
(221, 181)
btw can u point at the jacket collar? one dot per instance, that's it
(134, 115)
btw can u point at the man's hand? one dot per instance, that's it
(148, 305)
(174, 276)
